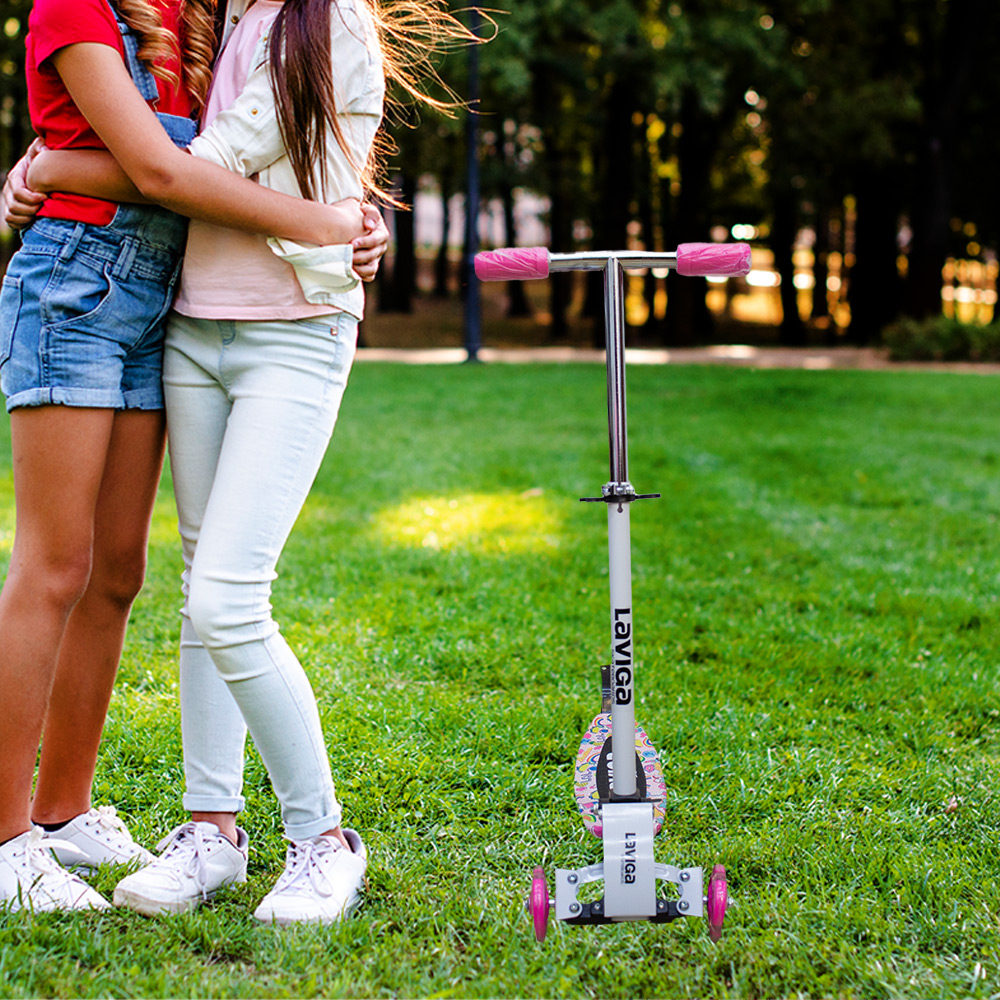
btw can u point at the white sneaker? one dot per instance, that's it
(320, 883)
(196, 862)
(99, 837)
(31, 878)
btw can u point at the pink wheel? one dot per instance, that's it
(715, 903)
(538, 903)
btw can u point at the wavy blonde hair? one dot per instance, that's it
(195, 48)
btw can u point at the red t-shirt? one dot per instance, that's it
(52, 25)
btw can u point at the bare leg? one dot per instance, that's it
(59, 455)
(226, 822)
(95, 632)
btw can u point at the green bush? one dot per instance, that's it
(942, 339)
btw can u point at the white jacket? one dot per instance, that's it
(246, 139)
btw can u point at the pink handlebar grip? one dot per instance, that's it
(512, 264)
(702, 259)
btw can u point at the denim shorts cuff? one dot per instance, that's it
(148, 398)
(61, 395)
(303, 831)
(213, 803)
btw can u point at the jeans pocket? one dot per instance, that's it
(10, 309)
(78, 294)
(342, 329)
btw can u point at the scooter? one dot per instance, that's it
(619, 785)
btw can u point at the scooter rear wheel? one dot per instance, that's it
(718, 897)
(538, 903)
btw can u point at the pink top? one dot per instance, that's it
(230, 274)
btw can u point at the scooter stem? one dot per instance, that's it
(614, 329)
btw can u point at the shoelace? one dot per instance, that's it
(107, 819)
(304, 862)
(41, 862)
(187, 845)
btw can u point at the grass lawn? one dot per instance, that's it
(817, 612)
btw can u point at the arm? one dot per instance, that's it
(97, 173)
(93, 172)
(98, 82)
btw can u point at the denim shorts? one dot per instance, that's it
(83, 310)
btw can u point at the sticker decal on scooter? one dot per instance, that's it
(623, 655)
(628, 860)
(595, 769)
(605, 773)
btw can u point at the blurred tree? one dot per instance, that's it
(620, 64)
(423, 142)
(15, 126)
(710, 56)
(554, 38)
(839, 109)
(954, 42)
(975, 193)
(872, 103)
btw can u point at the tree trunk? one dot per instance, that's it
(561, 226)
(943, 98)
(930, 221)
(875, 287)
(546, 101)
(614, 186)
(396, 289)
(688, 320)
(517, 299)
(442, 265)
(792, 332)
(653, 329)
(821, 271)
(446, 179)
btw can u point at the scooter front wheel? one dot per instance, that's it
(538, 903)
(718, 897)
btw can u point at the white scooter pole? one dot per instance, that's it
(619, 539)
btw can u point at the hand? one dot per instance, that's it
(340, 222)
(20, 203)
(368, 249)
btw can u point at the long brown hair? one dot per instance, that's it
(195, 48)
(409, 33)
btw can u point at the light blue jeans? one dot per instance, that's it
(251, 406)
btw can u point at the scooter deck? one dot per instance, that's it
(594, 769)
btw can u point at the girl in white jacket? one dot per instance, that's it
(257, 358)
